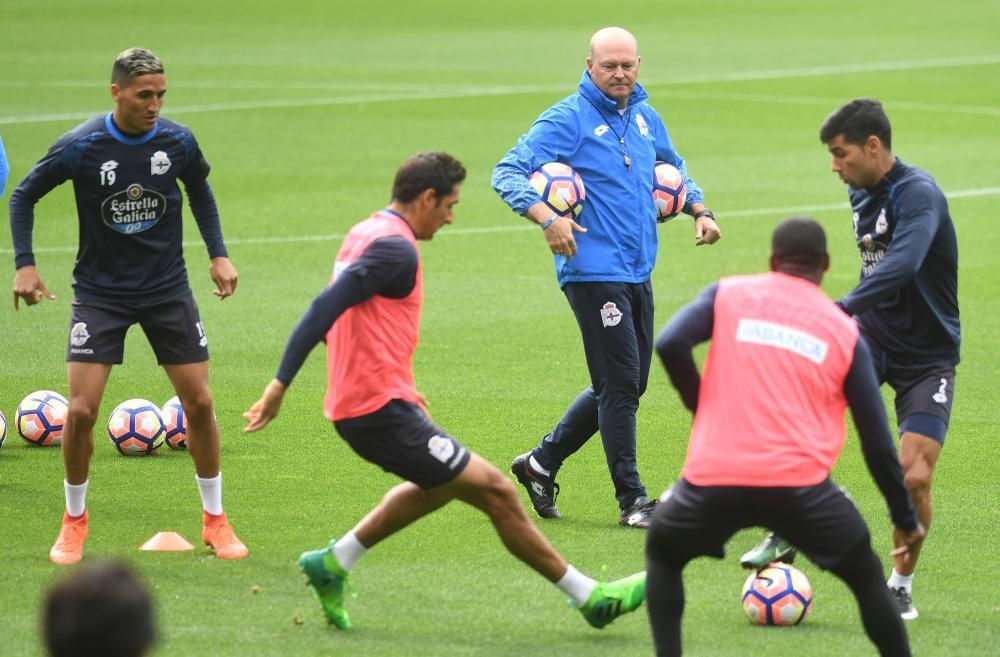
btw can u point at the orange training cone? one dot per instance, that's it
(167, 542)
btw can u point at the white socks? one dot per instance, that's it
(76, 497)
(211, 493)
(538, 468)
(896, 581)
(577, 586)
(348, 550)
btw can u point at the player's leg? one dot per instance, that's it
(923, 405)
(690, 521)
(486, 488)
(175, 331)
(918, 456)
(86, 388)
(190, 382)
(862, 571)
(827, 527)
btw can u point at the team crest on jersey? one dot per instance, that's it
(881, 224)
(133, 210)
(641, 122)
(600, 130)
(610, 315)
(78, 335)
(159, 164)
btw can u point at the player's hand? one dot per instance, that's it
(559, 235)
(706, 231)
(266, 408)
(225, 277)
(906, 540)
(28, 285)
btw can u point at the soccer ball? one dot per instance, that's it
(669, 191)
(3, 428)
(777, 595)
(175, 424)
(40, 418)
(560, 187)
(136, 428)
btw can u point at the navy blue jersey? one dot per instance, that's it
(907, 299)
(129, 208)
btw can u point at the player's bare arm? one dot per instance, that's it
(28, 285)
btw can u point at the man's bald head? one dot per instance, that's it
(612, 37)
(613, 63)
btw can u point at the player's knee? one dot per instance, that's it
(499, 493)
(198, 407)
(917, 480)
(81, 416)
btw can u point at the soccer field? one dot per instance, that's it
(305, 109)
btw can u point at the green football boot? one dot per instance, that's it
(327, 579)
(609, 600)
(772, 548)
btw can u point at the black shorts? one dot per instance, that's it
(692, 521)
(399, 438)
(924, 392)
(173, 328)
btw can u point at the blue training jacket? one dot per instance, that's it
(584, 131)
(4, 168)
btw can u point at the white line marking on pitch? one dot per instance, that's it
(515, 227)
(428, 93)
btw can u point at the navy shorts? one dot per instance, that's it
(401, 439)
(924, 393)
(173, 328)
(692, 521)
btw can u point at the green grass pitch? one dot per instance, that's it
(305, 108)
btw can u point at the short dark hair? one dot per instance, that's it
(429, 170)
(102, 610)
(799, 240)
(132, 63)
(858, 120)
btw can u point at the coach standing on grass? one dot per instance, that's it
(612, 138)
(130, 269)
(784, 364)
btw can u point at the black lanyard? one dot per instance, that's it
(621, 137)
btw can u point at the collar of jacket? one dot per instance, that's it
(590, 91)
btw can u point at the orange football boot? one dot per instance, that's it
(68, 548)
(219, 535)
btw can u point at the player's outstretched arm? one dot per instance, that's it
(266, 408)
(28, 285)
(224, 276)
(906, 539)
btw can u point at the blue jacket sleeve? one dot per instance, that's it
(553, 137)
(388, 267)
(665, 151)
(692, 325)
(918, 211)
(51, 171)
(863, 396)
(4, 168)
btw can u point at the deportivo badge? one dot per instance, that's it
(78, 335)
(159, 164)
(610, 315)
(641, 122)
(600, 130)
